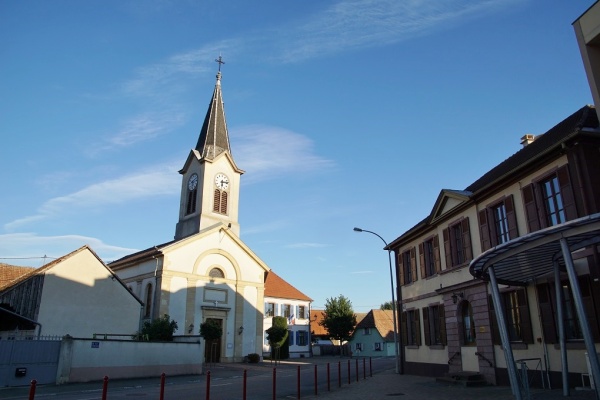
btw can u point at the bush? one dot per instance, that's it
(253, 358)
(160, 329)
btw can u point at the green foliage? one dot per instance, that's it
(211, 330)
(158, 330)
(339, 318)
(253, 358)
(386, 306)
(277, 335)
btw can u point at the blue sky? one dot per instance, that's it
(342, 113)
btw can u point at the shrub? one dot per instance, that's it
(253, 358)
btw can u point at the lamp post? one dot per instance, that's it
(399, 367)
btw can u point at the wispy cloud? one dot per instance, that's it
(156, 182)
(267, 152)
(353, 24)
(33, 250)
(140, 128)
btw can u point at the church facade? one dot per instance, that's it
(206, 273)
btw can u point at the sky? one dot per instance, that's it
(344, 114)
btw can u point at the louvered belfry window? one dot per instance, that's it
(220, 201)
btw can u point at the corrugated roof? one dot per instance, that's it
(275, 286)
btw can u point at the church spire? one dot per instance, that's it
(214, 138)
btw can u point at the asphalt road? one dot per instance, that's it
(289, 379)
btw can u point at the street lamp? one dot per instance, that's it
(399, 368)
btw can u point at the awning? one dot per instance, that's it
(522, 260)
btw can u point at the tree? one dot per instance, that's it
(386, 306)
(211, 330)
(277, 336)
(159, 330)
(339, 318)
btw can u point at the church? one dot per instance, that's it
(206, 273)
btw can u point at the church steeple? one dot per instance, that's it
(210, 185)
(214, 138)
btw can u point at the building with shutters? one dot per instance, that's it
(284, 300)
(447, 318)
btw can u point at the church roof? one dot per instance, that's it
(275, 286)
(214, 138)
(381, 320)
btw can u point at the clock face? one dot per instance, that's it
(193, 182)
(221, 181)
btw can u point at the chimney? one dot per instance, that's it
(527, 139)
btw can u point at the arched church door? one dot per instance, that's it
(212, 348)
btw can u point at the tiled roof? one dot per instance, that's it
(543, 145)
(585, 117)
(9, 273)
(275, 286)
(381, 320)
(316, 317)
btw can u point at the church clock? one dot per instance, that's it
(193, 182)
(222, 182)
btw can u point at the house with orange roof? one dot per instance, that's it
(284, 300)
(374, 335)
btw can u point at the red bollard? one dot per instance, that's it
(274, 382)
(162, 386)
(348, 372)
(208, 385)
(339, 374)
(316, 385)
(364, 368)
(356, 369)
(32, 389)
(298, 382)
(328, 379)
(105, 388)
(244, 385)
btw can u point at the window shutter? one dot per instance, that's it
(566, 191)
(413, 264)
(291, 337)
(436, 253)
(442, 316)
(426, 329)
(401, 269)
(526, 330)
(447, 248)
(531, 212)
(403, 329)
(422, 260)
(545, 302)
(417, 326)
(224, 203)
(588, 305)
(298, 338)
(484, 231)
(217, 200)
(509, 205)
(467, 239)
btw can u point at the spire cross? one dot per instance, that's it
(220, 61)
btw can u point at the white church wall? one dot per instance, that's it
(177, 302)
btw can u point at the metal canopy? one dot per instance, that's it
(522, 260)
